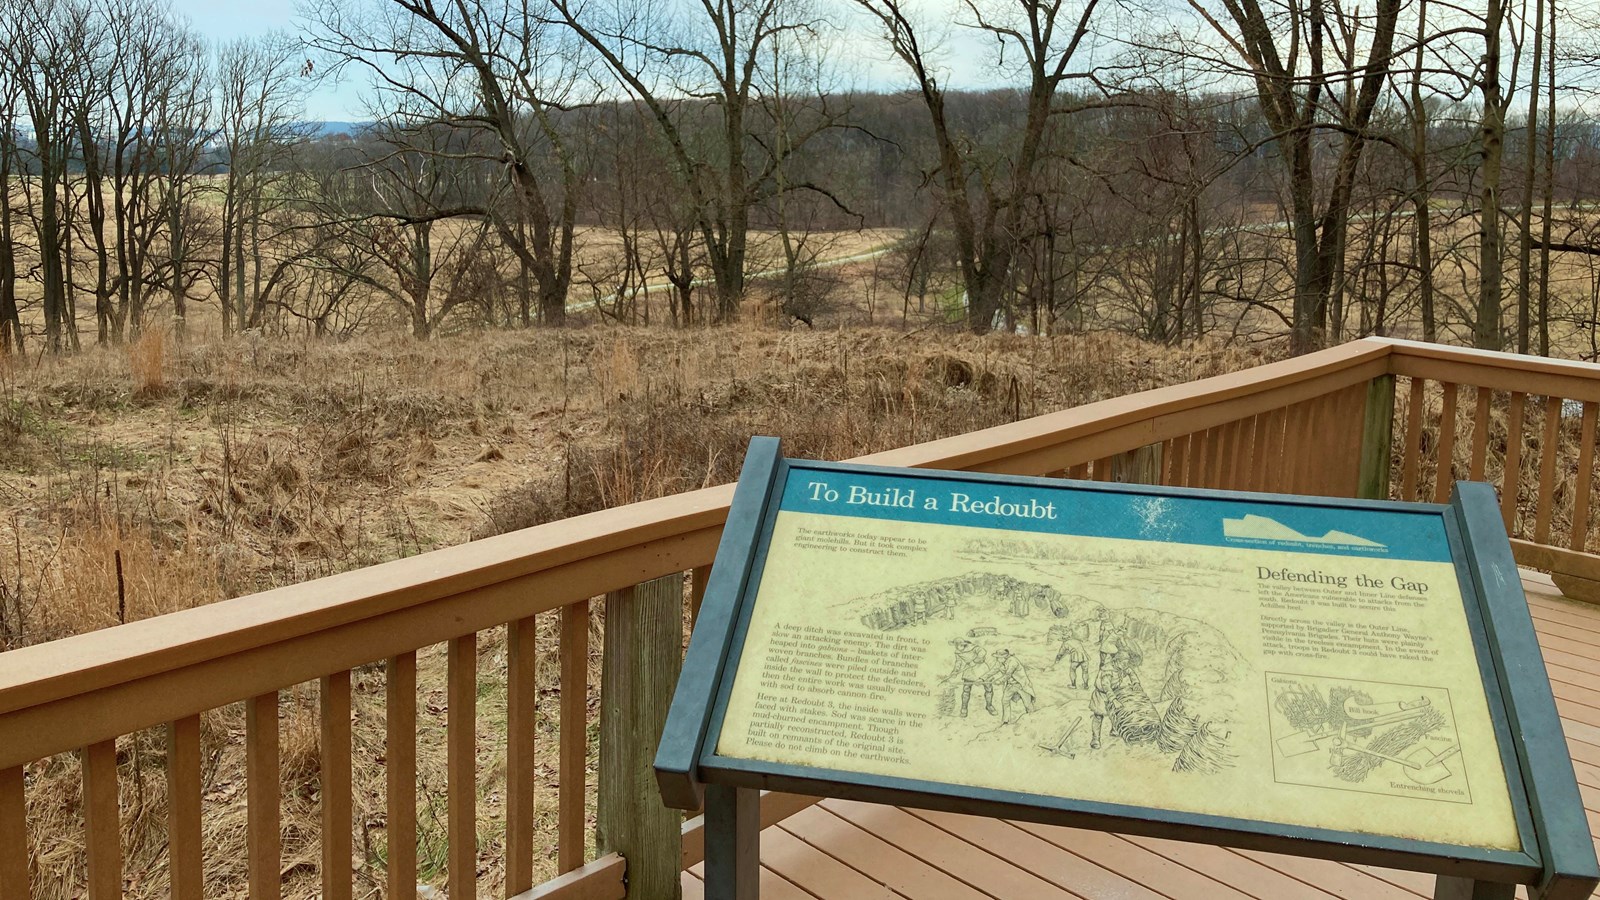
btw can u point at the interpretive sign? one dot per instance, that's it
(1288, 673)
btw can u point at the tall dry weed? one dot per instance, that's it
(107, 571)
(147, 362)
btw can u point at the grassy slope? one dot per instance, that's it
(219, 469)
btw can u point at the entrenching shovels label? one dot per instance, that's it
(1273, 662)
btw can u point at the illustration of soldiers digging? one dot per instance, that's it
(1110, 634)
(1105, 686)
(1015, 686)
(969, 668)
(1075, 649)
(1118, 693)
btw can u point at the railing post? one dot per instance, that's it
(643, 637)
(1377, 435)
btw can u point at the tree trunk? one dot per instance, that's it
(1486, 327)
(50, 261)
(1530, 157)
(10, 319)
(1421, 187)
(1549, 186)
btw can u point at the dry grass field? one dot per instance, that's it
(214, 469)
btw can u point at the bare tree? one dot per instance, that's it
(1530, 167)
(181, 131)
(985, 194)
(261, 83)
(496, 71)
(402, 208)
(699, 79)
(1284, 47)
(46, 37)
(10, 115)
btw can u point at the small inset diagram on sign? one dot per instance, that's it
(1261, 528)
(1368, 736)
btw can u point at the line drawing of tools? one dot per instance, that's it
(1429, 768)
(1420, 765)
(1306, 741)
(1061, 746)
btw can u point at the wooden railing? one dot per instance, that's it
(1320, 424)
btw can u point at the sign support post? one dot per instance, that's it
(1450, 887)
(733, 843)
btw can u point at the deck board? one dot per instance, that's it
(845, 850)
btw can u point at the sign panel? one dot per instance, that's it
(1261, 660)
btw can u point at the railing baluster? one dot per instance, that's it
(1480, 436)
(1217, 456)
(185, 867)
(1248, 471)
(1227, 447)
(1238, 444)
(1413, 452)
(1102, 469)
(1444, 475)
(1323, 437)
(1216, 461)
(1201, 450)
(1245, 462)
(1511, 477)
(13, 834)
(574, 734)
(264, 787)
(520, 776)
(1580, 506)
(461, 788)
(1176, 457)
(1253, 448)
(1326, 425)
(400, 775)
(336, 786)
(1308, 469)
(1199, 458)
(697, 592)
(1346, 410)
(102, 820)
(1351, 413)
(1269, 451)
(1294, 449)
(1550, 448)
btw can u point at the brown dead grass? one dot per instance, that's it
(267, 462)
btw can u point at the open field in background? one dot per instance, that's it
(219, 468)
(1108, 279)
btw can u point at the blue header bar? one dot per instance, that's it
(1286, 527)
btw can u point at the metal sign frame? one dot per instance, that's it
(1557, 860)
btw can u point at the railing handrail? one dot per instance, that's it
(1497, 359)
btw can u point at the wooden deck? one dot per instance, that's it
(841, 850)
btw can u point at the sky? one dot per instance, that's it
(224, 20)
(970, 62)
